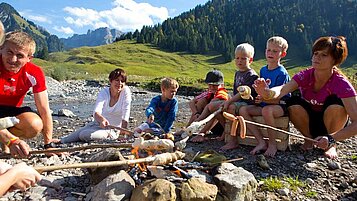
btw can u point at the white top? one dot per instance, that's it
(120, 111)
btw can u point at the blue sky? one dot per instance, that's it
(67, 17)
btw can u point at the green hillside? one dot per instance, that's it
(144, 63)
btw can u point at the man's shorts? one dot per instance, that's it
(11, 111)
(316, 122)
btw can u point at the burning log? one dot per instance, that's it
(160, 159)
(159, 144)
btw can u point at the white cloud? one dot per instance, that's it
(125, 15)
(66, 30)
(36, 18)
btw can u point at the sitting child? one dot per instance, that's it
(215, 91)
(163, 108)
(215, 78)
(244, 76)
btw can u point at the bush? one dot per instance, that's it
(59, 73)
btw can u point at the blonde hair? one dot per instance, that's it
(168, 83)
(21, 39)
(245, 48)
(280, 41)
(2, 33)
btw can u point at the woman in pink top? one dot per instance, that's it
(327, 97)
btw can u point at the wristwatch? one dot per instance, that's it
(331, 141)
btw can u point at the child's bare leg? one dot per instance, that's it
(247, 112)
(269, 114)
(199, 105)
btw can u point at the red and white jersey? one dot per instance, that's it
(14, 86)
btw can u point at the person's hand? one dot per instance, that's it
(19, 148)
(225, 106)
(25, 176)
(151, 118)
(322, 142)
(4, 167)
(104, 123)
(261, 85)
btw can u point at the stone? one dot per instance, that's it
(114, 187)
(332, 165)
(111, 154)
(235, 183)
(66, 113)
(158, 190)
(196, 189)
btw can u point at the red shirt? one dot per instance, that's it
(14, 86)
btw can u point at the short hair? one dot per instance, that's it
(245, 48)
(337, 47)
(21, 39)
(168, 83)
(117, 73)
(2, 33)
(280, 41)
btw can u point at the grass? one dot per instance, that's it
(144, 63)
(295, 183)
(274, 183)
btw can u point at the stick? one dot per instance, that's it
(273, 128)
(197, 124)
(120, 128)
(72, 149)
(159, 159)
(41, 169)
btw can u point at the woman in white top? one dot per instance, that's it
(111, 108)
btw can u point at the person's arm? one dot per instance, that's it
(262, 88)
(126, 107)
(153, 104)
(350, 105)
(20, 176)
(43, 107)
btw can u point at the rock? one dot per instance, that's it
(110, 154)
(284, 191)
(235, 183)
(114, 187)
(262, 162)
(66, 113)
(196, 189)
(158, 190)
(333, 165)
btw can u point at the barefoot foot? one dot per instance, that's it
(230, 146)
(331, 152)
(221, 138)
(260, 147)
(199, 138)
(271, 151)
(307, 146)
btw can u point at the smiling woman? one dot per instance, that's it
(112, 108)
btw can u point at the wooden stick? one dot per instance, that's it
(273, 128)
(159, 159)
(41, 169)
(194, 127)
(72, 149)
(120, 128)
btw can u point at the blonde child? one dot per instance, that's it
(244, 76)
(165, 106)
(276, 75)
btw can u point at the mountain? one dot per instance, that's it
(100, 36)
(220, 25)
(45, 42)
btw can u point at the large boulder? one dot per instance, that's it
(235, 183)
(114, 187)
(197, 190)
(158, 190)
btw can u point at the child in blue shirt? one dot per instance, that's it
(277, 75)
(165, 106)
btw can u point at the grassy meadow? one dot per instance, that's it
(144, 63)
